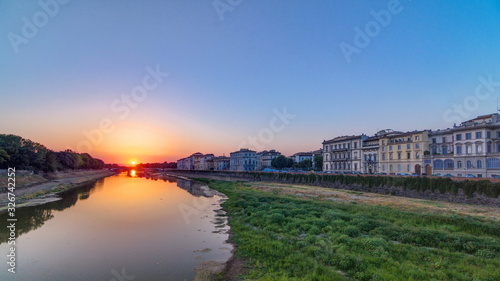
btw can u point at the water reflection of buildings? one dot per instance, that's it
(195, 188)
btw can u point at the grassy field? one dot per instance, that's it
(284, 236)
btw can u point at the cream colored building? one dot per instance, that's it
(402, 153)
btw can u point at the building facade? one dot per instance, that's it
(343, 154)
(402, 152)
(369, 155)
(469, 149)
(243, 160)
(221, 163)
(264, 159)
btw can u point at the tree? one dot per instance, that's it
(4, 157)
(279, 162)
(305, 164)
(289, 162)
(318, 162)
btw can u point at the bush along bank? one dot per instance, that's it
(482, 192)
(289, 238)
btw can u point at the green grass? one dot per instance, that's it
(289, 238)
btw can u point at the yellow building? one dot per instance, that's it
(402, 153)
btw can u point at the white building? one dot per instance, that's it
(343, 154)
(243, 160)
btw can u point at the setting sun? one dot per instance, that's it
(133, 162)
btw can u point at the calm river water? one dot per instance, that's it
(120, 228)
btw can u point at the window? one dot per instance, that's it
(417, 146)
(408, 167)
(498, 134)
(498, 147)
(390, 156)
(417, 155)
(399, 167)
(417, 137)
(326, 148)
(356, 145)
(390, 168)
(408, 146)
(444, 149)
(444, 139)
(469, 164)
(399, 147)
(479, 164)
(488, 134)
(468, 149)
(383, 156)
(408, 155)
(479, 135)
(479, 148)
(390, 148)
(448, 164)
(355, 166)
(433, 140)
(438, 164)
(383, 142)
(459, 164)
(468, 136)
(348, 145)
(458, 137)
(383, 168)
(399, 155)
(459, 150)
(488, 147)
(383, 148)
(343, 145)
(493, 163)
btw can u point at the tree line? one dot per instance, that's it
(281, 162)
(164, 165)
(25, 154)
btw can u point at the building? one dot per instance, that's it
(221, 163)
(243, 160)
(369, 154)
(402, 152)
(264, 159)
(472, 148)
(190, 163)
(205, 162)
(343, 154)
(301, 156)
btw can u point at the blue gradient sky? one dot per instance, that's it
(227, 76)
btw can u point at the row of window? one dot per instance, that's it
(478, 135)
(399, 155)
(340, 146)
(400, 168)
(399, 146)
(417, 138)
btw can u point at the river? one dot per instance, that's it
(119, 228)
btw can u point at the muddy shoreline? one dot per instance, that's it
(46, 191)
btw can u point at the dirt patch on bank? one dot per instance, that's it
(401, 203)
(45, 189)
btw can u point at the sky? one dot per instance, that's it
(155, 81)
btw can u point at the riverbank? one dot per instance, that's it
(476, 192)
(297, 232)
(37, 189)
